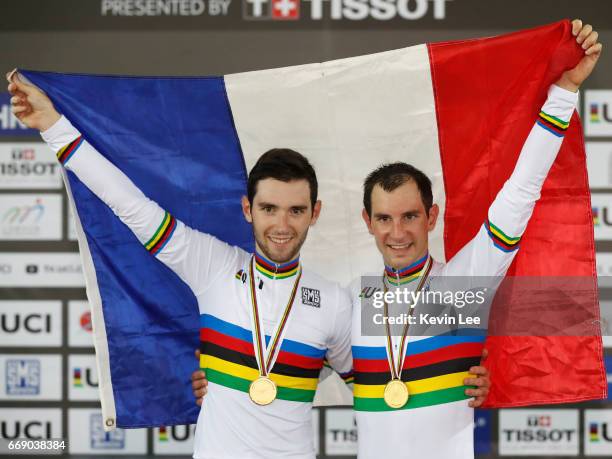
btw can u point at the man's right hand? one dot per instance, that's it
(199, 382)
(30, 105)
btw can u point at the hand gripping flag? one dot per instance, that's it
(459, 111)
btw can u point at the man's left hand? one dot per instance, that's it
(586, 37)
(481, 381)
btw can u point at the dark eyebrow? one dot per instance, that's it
(267, 204)
(380, 215)
(299, 207)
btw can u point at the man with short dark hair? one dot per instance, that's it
(262, 341)
(407, 392)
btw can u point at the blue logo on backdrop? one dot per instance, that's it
(482, 432)
(104, 440)
(608, 362)
(23, 377)
(9, 125)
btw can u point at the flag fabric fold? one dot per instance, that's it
(459, 111)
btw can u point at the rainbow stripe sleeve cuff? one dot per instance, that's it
(162, 234)
(66, 152)
(552, 124)
(500, 239)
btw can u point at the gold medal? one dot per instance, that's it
(262, 391)
(396, 393)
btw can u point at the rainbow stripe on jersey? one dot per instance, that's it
(434, 370)
(407, 274)
(162, 235)
(500, 239)
(227, 356)
(552, 124)
(275, 270)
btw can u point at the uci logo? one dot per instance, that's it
(32, 430)
(33, 323)
(176, 433)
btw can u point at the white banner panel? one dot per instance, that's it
(87, 436)
(598, 433)
(72, 234)
(28, 166)
(602, 216)
(603, 261)
(315, 429)
(31, 423)
(173, 440)
(62, 269)
(538, 432)
(606, 322)
(79, 324)
(598, 113)
(30, 377)
(30, 323)
(340, 432)
(31, 217)
(82, 377)
(599, 165)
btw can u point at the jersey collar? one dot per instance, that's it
(274, 270)
(407, 274)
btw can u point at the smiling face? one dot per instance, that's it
(400, 223)
(281, 215)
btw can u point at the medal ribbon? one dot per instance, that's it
(396, 372)
(265, 363)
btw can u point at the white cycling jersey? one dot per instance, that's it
(437, 422)
(230, 425)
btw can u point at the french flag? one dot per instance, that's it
(459, 111)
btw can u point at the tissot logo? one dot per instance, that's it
(24, 154)
(542, 421)
(27, 166)
(352, 10)
(537, 432)
(340, 432)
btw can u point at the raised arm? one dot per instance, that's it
(187, 252)
(491, 252)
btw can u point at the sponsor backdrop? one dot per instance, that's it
(48, 377)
